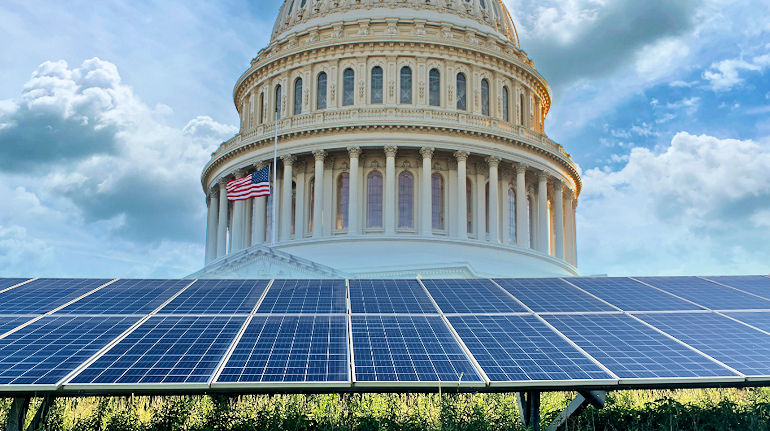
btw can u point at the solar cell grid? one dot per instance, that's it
(44, 352)
(166, 349)
(389, 296)
(759, 320)
(45, 294)
(522, 348)
(217, 297)
(305, 296)
(281, 349)
(707, 294)
(8, 282)
(630, 295)
(633, 350)
(551, 295)
(471, 296)
(408, 349)
(9, 322)
(743, 348)
(758, 285)
(127, 297)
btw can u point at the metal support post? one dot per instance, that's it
(529, 409)
(17, 414)
(42, 414)
(581, 401)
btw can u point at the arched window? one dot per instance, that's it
(506, 113)
(311, 207)
(434, 88)
(511, 215)
(486, 205)
(343, 195)
(437, 200)
(298, 96)
(348, 87)
(461, 99)
(405, 200)
(484, 97)
(261, 108)
(278, 102)
(469, 204)
(406, 85)
(376, 85)
(374, 200)
(320, 98)
(521, 109)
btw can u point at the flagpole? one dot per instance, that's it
(275, 171)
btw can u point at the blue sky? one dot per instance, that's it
(108, 111)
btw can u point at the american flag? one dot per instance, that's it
(251, 186)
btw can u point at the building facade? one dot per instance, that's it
(410, 141)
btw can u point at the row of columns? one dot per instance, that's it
(248, 220)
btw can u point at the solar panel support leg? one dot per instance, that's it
(17, 414)
(42, 414)
(529, 409)
(581, 401)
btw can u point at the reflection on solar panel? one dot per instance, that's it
(707, 294)
(471, 296)
(631, 295)
(522, 348)
(217, 297)
(551, 294)
(127, 297)
(743, 348)
(166, 349)
(290, 349)
(408, 349)
(9, 322)
(632, 350)
(389, 296)
(43, 295)
(8, 282)
(758, 285)
(304, 296)
(44, 352)
(759, 320)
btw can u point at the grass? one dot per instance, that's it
(696, 409)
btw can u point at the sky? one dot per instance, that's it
(110, 109)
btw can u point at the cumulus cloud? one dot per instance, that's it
(699, 206)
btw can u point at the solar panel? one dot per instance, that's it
(707, 294)
(757, 284)
(389, 296)
(44, 352)
(127, 297)
(759, 320)
(471, 296)
(522, 348)
(743, 348)
(408, 349)
(45, 294)
(281, 349)
(304, 296)
(633, 350)
(9, 322)
(8, 282)
(166, 349)
(630, 295)
(217, 297)
(551, 295)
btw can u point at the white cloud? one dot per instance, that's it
(726, 74)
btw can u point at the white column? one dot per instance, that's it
(461, 224)
(222, 220)
(522, 218)
(390, 189)
(318, 203)
(211, 225)
(542, 212)
(505, 211)
(426, 213)
(494, 207)
(238, 221)
(481, 204)
(285, 208)
(354, 209)
(568, 226)
(299, 210)
(558, 213)
(574, 233)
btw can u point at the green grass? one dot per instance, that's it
(701, 409)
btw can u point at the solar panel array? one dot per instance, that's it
(105, 336)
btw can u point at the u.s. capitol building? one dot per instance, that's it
(410, 141)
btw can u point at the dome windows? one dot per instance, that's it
(376, 97)
(348, 87)
(405, 97)
(406, 200)
(484, 97)
(321, 90)
(277, 102)
(461, 92)
(434, 90)
(374, 197)
(298, 96)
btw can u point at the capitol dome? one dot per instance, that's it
(410, 140)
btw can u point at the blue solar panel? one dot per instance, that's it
(471, 296)
(127, 297)
(8, 282)
(632, 350)
(743, 348)
(757, 284)
(759, 320)
(551, 294)
(707, 294)
(389, 296)
(631, 295)
(408, 349)
(9, 322)
(166, 349)
(217, 297)
(304, 296)
(522, 348)
(43, 295)
(290, 349)
(44, 352)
